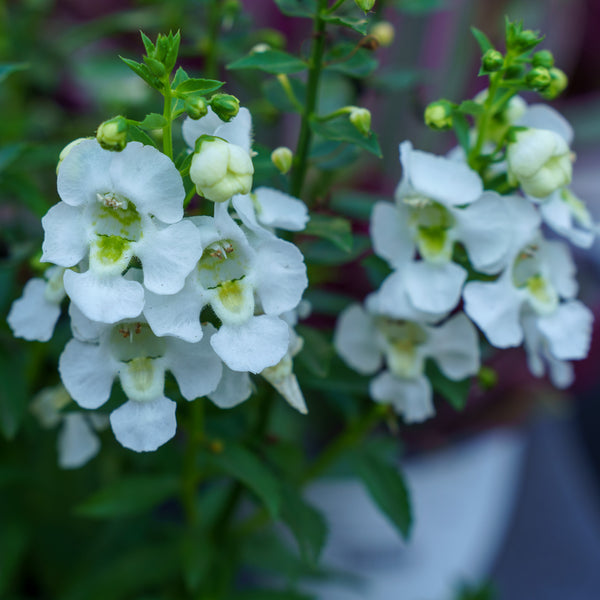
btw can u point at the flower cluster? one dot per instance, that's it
(452, 242)
(210, 299)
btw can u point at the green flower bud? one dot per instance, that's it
(365, 5)
(112, 134)
(538, 78)
(196, 107)
(526, 40)
(438, 115)
(282, 158)
(361, 119)
(383, 32)
(492, 60)
(487, 378)
(543, 58)
(225, 106)
(558, 84)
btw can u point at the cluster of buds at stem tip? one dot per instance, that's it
(112, 134)
(438, 115)
(365, 5)
(282, 158)
(225, 106)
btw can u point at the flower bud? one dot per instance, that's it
(492, 60)
(282, 158)
(225, 106)
(365, 5)
(487, 378)
(438, 115)
(543, 58)
(383, 32)
(540, 161)
(220, 170)
(112, 134)
(361, 119)
(538, 78)
(526, 39)
(195, 107)
(558, 83)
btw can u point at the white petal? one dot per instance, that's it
(533, 343)
(355, 340)
(495, 308)
(561, 268)
(289, 389)
(392, 239)
(280, 210)
(65, 239)
(177, 315)
(542, 116)
(525, 221)
(105, 299)
(87, 371)
(260, 343)
(150, 180)
(411, 398)
(193, 129)
(568, 330)
(196, 367)
(561, 372)
(31, 316)
(449, 182)
(238, 131)
(168, 255)
(455, 347)
(84, 329)
(144, 426)
(84, 172)
(434, 288)
(234, 388)
(558, 216)
(280, 275)
(77, 443)
(242, 203)
(485, 228)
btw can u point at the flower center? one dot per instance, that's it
(114, 215)
(402, 342)
(431, 224)
(134, 339)
(527, 275)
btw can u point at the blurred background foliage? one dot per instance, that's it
(60, 77)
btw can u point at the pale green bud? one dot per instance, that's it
(438, 115)
(361, 119)
(282, 158)
(365, 5)
(383, 32)
(558, 84)
(543, 58)
(112, 134)
(225, 106)
(196, 107)
(538, 78)
(492, 60)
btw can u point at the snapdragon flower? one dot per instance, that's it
(117, 206)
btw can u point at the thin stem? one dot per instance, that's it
(167, 129)
(335, 6)
(211, 66)
(312, 88)
(190, 475)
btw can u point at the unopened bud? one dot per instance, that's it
(558, 84)
(112, 134)
(361, 119)
(282, 158)
(225, 106)
(538, 78)
(543, 58)
(438, 115)
(260, 48)
(196, 107)
(492, 60)
(526, 40)
(383, 32)
(487, 378)
(365, 5)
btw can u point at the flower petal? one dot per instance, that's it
(257, 344)
(542, 116)
(192, 129)
(434, 288)
(277, 209)
(238, 131)
(560, 267)
(65, 239)
(144, 426)
(234, 388)
(558, 216)
(392, 238)
(77, 443)
(84, 329)
(87, 371)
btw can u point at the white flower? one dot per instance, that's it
(540, 161)
(132, 352)
(221, 170)
(116, 206)
(364, 340)
(239, 275)
(33, 316)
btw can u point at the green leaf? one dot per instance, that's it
(377, 269)
(13, 391)
(455, 392)
(271, 61)
(342, 130)
(461, 129)
(359, 63)
(153, 121)
(323, 252)
(197, 557)
(13, 544)
(7, 69)
(297, 8)
(148, 45)
(143, 71)
(482, 40)
(419, 7)
(278, 98)
(385, 484)
(173, 51)
(135, 134)
(197, 86)
(317, 352)
(353, 204)
(357, 24)
(243, 465)
(470, 107)
(336, 229)
(131, 496)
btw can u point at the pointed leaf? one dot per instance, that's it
(135, 134)
(356, 24)
(297, 8)
(142, 71)
(482, 40)
(271, 61)
(336, 229)
(153, 121)
(455, 392)
(342, 130)
(197, 86)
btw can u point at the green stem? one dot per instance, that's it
(167, 129)
(312, 88)
(335, 6)
(211, 66)
(190, 475)
(189, 196)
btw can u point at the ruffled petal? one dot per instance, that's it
(392, 238)
(495, 307)
(192, 129)
(355, 340)
(558, 216)
(560, 267)
(87, 371)
(238, 131)
(168, 255)
(234, 388)
(144, 426)
(84, 329)
(434, 288)
(32, 316)
(77, 443)
(525, 221)
(277, 209)
(150, 180)
(65, 238)
(542, 116)
(260, 343)
(411, 398)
